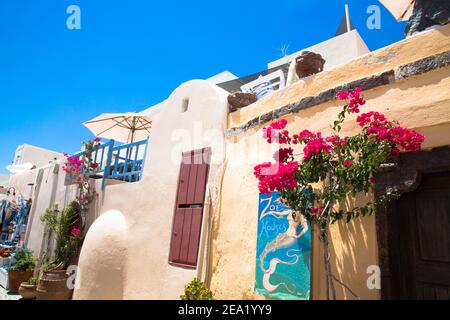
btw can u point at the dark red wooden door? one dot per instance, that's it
(188, 215)
(424, 240)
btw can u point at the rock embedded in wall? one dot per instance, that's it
(308, 63)
(239, 100)
(426, 14)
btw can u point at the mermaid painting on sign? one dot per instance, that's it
(283, 251)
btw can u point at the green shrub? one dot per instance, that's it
(25, 261)
(61, 225)
(33, 281)
(196, 290)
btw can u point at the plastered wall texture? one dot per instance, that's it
(126, 251)
(46, 187)
(407, 81)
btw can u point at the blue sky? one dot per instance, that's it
(130, 55)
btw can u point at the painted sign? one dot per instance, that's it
(283, 255)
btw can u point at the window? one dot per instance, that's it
(188, 216)
(18, 156)
(185, 105)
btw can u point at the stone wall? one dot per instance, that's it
(407, 81)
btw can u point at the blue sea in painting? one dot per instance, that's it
(283, 256)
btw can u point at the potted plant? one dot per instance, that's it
(28, 289)
(67, 226)
(197, 290)
(64, 226)
(22, 270)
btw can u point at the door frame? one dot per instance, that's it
(402, 174)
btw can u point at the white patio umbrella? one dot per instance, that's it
(123, 127)
(400, 9)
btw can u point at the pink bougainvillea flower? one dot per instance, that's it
(395, 151)
(262, 169)
(409, 140)
(283, 137)
(279, 125)
(306, 135)
(347, 163)
(373, 119)
(269, 134)
(94, 166)
(355, 100)
(97, 139)
(377, 124)
(75, 232)
(342, 95)
(337, 141)
(316, 146)
(276, 177)
(273, 135)
(283, 154)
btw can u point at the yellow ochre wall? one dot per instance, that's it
(420, 102)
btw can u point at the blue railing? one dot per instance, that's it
(100, 156)
(126, 162)
(122, 162)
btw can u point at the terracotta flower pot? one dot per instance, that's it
(53, 286)
(239, 100)
(308, 63)
(15, 278)
(28, 291)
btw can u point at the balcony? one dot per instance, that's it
(122, 162)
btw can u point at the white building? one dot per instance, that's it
(28, 157)
(222, 77)
(335, 51)
(346, 45)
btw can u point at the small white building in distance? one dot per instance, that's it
(335, 51)
(28, 157)
(346, 45)
(222, 77)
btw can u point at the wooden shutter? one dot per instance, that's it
(187, 222)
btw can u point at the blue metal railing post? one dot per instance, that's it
(108, 163)
(145, 157)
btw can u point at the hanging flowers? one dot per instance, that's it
(344, 166)
(79, 168)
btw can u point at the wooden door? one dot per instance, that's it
(422, 253)
(188, 216)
